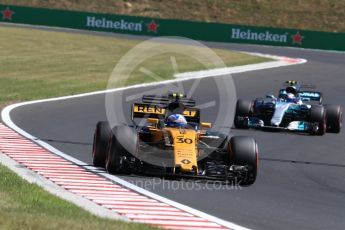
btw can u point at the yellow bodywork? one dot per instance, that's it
(184, 148)
(182, 141)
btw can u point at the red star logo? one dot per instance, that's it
(152, 26)
(297, 39)
(7, 14)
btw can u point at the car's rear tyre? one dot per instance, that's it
(318, 115)
(123, 144)
(243, 109)
(101, 139)
(244, 152)
(334, 117)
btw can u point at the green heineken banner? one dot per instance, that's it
(216, 32)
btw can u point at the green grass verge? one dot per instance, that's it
(27, 206)
(323, 15)
(38, 64)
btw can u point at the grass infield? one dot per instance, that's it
(37, 64)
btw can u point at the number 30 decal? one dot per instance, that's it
(184, 140)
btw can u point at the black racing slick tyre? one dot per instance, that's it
(243, 109)
(318, 115)
(244, 152)
(123, 144)
(334, 117)
(101, 139)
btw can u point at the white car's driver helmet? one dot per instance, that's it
(176, 120)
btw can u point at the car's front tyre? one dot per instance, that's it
(123, 144)
(101, 139)
(244, 152)
(318, 115)
(243, 109)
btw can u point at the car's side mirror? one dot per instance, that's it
(154, 121)
(270, 96)
(206, 125)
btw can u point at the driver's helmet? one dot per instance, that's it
(176, 120)
(291, 89)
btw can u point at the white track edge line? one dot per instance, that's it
(5, 115)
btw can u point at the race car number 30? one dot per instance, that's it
(184, 140)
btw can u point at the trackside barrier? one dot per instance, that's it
(216, 32)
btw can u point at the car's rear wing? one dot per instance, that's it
(305, 95)
(145, 110)
(165, 100)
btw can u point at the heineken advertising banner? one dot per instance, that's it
(216, 32)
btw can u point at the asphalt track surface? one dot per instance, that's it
(301, 181)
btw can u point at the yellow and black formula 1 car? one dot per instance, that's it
(183, 147)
